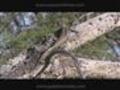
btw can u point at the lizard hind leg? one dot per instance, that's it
(75, 61)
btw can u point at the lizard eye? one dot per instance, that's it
(27, 57)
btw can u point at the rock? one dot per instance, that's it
(4, 69)
(2, 14)
(3, 43)
(22, 22)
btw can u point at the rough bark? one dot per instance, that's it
(100, 69)
(91, 29)
(96, 69)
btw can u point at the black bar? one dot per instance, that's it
(56, 84)
(59, 1)
(60, 5)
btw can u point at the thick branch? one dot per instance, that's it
(92, 29)
(100, 69)
(96, 69)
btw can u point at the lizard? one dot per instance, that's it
(61, 40)
(45, 58)
(53, 50)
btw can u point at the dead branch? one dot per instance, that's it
(96, 69)
(99, 69)
(91, 29)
